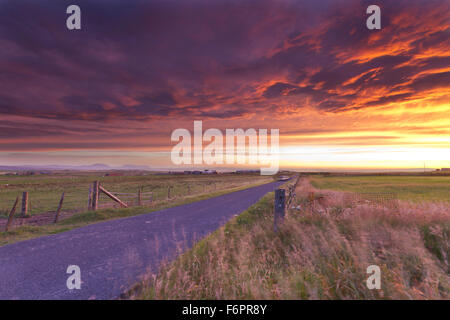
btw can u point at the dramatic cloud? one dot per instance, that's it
(139, 68)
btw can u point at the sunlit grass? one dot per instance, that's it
(414, 188)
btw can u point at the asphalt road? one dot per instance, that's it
(114, 255)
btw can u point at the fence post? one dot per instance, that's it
(95, 195)
(140, 196)
(24, 204)
(168, 192)
(280, 206)
(90, 198)
(151, 197)
(59, 208)
(312, 199)
(291, 196)
(11, 214)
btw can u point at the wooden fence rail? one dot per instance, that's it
(113, 197)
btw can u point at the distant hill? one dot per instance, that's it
(94, 167)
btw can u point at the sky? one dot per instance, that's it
(341, 95)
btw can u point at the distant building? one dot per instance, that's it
(445, 169)
(248, 171)
(114, 174)
(8, 173)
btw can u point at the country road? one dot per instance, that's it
(113, 255)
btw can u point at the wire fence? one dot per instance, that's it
(372, 198)
(42, 201)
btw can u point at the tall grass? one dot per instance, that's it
(315, 255)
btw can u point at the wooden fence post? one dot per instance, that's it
(59, 208)
(140, 196)
(280, 206)
(312, 199)
(95, 194)
(291, 196)
(24, 204)
(11, 214)
(168, 192)
(90, 198)
(151, 197)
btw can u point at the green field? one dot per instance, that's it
(45, 190)
(415, 188)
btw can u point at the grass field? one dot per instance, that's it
(413, 188)
(45, 190)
